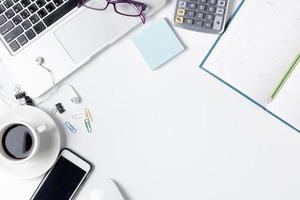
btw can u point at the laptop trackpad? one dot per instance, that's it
(87, 33)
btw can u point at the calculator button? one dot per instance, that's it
(221, 3)
(192, 5)
(182, 4)
(211, 9)
(198, 23)
(200, 15)
(181, 12)
(218, 23)
(202, 1)
(212, 2)
(220, 11)
(190, 13)
(179, 20)
(207, 25)
(209, 17)
(201, 7)
(189, 21)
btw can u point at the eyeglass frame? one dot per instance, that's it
(136, 4)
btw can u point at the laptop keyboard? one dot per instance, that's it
(22, 20)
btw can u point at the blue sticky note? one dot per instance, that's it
(157, 44)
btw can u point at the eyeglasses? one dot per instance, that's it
(128, 8)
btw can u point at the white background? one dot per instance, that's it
(175, 133)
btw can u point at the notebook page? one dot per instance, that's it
(287, 103)
(257, 47)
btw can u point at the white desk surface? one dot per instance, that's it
(175, 133)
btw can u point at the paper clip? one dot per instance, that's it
(88, 125)
(70, 127)
(88, 115)
(54, 111)
(60, 108)
(78, 116)
(18, 88)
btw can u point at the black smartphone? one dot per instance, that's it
(64, 179)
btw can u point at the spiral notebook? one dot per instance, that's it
(255, 51)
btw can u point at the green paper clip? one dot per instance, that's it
(88, 126)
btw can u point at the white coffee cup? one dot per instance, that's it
(35, 132)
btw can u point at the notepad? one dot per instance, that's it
(157, 44)
(254, 53)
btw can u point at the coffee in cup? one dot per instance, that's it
(19, 141)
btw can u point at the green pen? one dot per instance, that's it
(285, 77)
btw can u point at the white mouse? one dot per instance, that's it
(97, 194)
(106, 190)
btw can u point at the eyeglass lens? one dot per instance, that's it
(125, 8)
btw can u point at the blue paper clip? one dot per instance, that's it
(88, 115)
(70, 127)
(88, 125)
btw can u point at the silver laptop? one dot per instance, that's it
(65, 35)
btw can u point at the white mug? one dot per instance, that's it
(35, 134)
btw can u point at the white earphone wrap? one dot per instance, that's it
(75, 99)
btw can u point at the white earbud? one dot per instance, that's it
(39, 60)
(76, 99)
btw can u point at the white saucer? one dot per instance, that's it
(42, 161)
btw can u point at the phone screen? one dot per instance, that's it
(61, 182)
